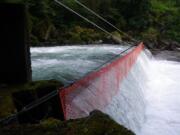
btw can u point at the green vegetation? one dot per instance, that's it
(96, 124)
(7, 106)
(166, 18)
(143, 19)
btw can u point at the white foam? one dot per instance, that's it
(149, 99)
(163, 99)
(69, 63)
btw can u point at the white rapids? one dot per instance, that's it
(150, 101)
(163, 99)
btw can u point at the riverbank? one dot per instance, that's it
(12, 95)
(96, 123)
(79, 36)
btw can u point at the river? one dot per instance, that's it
(69, 63)
(160, 82)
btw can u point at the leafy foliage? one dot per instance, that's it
(51, 22)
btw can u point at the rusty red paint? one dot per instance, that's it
(96, 86)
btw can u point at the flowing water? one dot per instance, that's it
(69, 63)
(149, 103)
(163, 99)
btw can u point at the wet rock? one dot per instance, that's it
(16, 97)
(167, 55)
(150, 45)
(168, 45)
(31, 93)
(96, 124)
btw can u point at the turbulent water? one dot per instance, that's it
(69, 63)
(150, 96)
(163, 99)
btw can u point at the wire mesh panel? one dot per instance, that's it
(96, 90)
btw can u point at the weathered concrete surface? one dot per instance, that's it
(14, 52)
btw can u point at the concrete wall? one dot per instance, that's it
(14, 50)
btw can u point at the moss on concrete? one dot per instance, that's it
(7, 106)
(96, 124)
(39, 85)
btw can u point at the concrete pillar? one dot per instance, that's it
(15, 65)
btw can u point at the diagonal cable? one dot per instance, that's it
(81, 16)
(103, 19)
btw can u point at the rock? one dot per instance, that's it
(167, 55)
(16, 97)
(174, 45)
(168, 45)
(150, 45)
(96, 124)
(31, 92)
